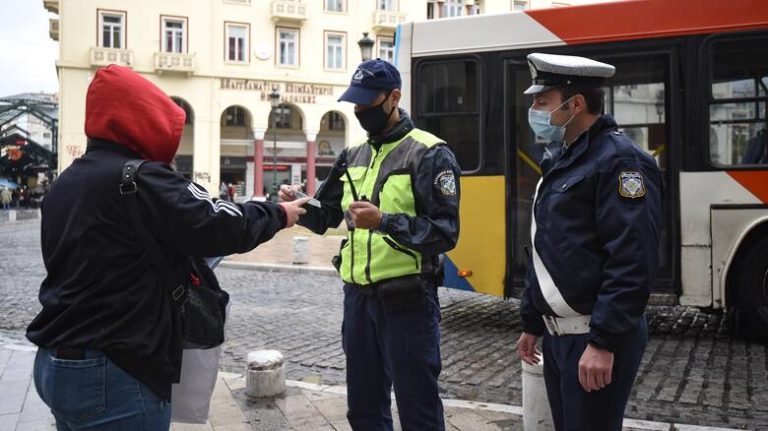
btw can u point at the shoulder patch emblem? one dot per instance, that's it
(631, 185)
(447, 183)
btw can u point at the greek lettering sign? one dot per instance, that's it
(290, 92)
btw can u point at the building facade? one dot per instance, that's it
(222, 59)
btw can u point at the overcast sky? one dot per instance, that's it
(27, 54)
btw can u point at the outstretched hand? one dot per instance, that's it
(286, 192)
(293, 210)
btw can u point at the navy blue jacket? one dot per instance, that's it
(597, 236)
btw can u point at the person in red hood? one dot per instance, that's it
(109, 333)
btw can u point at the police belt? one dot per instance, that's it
(373, 288)
(567, 325)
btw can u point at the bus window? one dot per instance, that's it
(447, 107)
(737, 121)
(636, 97)
(636, 101)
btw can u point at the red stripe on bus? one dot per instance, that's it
(754, 181)
(645, 19)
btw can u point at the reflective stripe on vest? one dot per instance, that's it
(384, 178)
(548, 288)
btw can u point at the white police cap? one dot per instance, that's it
(551, 71)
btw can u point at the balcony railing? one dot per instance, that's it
(53, 28)
(106, 56)
(173, 62)
(289, 11)
(385, 20)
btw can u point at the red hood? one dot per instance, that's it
(125, 108)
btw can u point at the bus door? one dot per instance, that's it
(638, 97)
(448, 102)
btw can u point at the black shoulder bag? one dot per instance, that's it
(200, 298)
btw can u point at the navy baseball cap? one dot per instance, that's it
(370, 79)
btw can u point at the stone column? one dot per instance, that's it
(311, 152)
(258, 161)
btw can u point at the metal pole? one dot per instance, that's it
(274, 151)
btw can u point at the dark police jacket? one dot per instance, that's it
(434, 229)
(598, 216)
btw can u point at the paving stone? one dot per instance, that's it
(39, 425)
(224, 409)
(262, 414)
(34, 409)
(333, 409)
(466, 419)
(175, 426)
(8, 421)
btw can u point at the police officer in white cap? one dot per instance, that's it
(595, 237)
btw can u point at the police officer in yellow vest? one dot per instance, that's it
(399, 192)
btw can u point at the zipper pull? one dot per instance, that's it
(373, 160)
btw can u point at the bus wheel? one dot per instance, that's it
(751, 279)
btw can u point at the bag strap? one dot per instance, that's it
(128, 191)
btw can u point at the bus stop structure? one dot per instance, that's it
(21, 157)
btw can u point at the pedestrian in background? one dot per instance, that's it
(224, 191)
(594, 247)
(5, 198)
(109, 332)
(231, 192)
(400, 193)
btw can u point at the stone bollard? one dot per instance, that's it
(536, 413)
(300, 250)
(265, 375)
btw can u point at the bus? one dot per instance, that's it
(691, 88)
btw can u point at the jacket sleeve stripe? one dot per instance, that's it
(217, 206)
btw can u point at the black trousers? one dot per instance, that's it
(385, 348)
(573, 408)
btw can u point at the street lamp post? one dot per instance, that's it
(366, 47)
(274, 100)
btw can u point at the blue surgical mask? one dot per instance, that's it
(541, 123)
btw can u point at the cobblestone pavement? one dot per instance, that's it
(696, 370)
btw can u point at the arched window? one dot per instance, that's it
(335, 121)
(234, 116)
(190, 117)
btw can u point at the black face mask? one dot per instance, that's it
(375, 118)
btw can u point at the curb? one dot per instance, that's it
(632, 424)
(276, 267)
(17, 215)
